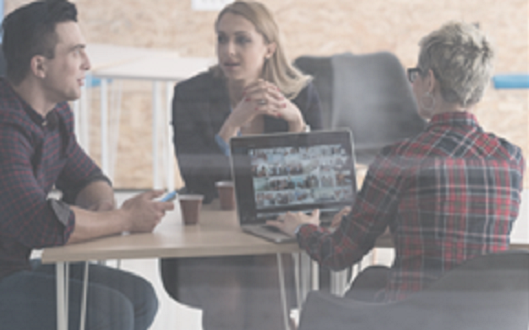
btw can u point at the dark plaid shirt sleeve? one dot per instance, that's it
(374, 208)
(27, 216)
(33, 159)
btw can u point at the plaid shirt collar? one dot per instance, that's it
(460, 118)
(35, 117)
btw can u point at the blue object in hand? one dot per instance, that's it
(169, 196)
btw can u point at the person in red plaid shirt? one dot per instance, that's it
(46, 65)
(449, 194)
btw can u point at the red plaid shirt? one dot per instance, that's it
(37, 153)
(449, 194)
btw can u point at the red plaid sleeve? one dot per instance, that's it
(373, 210)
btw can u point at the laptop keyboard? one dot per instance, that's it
(271, 228)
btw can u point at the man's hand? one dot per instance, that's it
(289, 222)
(139, 214)
(142, 213)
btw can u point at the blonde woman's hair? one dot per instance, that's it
(461, 58)
(277, 69)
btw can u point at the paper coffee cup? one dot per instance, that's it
(226, 191)
(190, 206)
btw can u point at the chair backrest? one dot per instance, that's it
(368, 94)
(3, 64)
(320, 68)
(487, 293)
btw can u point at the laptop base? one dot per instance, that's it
(268, 233)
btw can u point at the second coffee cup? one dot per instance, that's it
(226, 191)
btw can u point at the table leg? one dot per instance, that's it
(305, 276)
(82, 321)
(66, 288)
(62, 298)
(339, 282)
(282, 289)
(315, 275)
(297, 278)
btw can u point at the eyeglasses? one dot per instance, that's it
(413, 73)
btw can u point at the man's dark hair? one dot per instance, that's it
(30, 31)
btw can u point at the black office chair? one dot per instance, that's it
(369, 94)
(3, 68)
(489, 292)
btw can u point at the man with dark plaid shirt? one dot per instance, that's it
(46, 64)
(447, 195)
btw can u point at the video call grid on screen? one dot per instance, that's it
(298, 172)
(315, 175)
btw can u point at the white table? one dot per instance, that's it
(217, 234)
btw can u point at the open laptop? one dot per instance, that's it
(298, 172)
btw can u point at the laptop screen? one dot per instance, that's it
(276, 173)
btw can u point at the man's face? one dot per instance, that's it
(65, 72)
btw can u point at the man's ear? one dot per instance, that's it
(38, 66)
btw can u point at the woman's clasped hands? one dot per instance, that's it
(264, 98)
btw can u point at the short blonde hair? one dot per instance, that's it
(461, 58)
(277, 69)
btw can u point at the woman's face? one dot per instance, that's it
(241, 50)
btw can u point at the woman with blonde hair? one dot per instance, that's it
(252, 90)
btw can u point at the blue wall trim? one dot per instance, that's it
(511, 81)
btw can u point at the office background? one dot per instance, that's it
(311, 27)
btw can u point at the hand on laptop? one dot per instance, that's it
(289, 222)
(337, 219)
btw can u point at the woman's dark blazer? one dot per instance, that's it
(200, 106)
